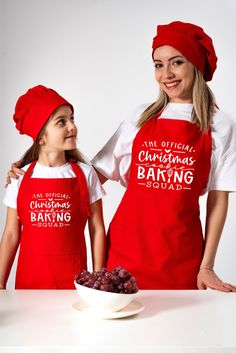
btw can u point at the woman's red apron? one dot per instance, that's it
(53, 213)
(156, 232)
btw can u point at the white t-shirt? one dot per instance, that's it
(95, 188)
(114, 159)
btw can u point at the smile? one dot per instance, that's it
(171, 84)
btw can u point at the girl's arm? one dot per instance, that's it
(217, 206)
(9, 245)
(97, 235)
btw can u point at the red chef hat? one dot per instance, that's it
(35, 107)
(192, 42)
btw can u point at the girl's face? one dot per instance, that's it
(61, 131)
(174, 73)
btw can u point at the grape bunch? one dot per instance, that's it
(118, 280)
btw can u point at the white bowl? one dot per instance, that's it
(100, 300)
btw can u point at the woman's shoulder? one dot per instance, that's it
(135, 114)
(128, 127)
(126, 130)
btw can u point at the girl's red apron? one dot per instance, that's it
(53, 213)
(156, 232)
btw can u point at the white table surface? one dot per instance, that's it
(172, 321)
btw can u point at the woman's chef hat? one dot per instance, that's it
(192, 42)
(35, 107)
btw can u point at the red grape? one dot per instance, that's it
(118, 280)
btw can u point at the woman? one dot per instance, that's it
(171, 152)
(167, 155)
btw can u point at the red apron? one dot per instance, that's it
(53, 213)
(156, 232)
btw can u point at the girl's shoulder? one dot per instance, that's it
(88, 170)
(95, 188)
(25, 167)
(16, 182)
(11, 192)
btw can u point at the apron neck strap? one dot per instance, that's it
(30, 170)
(83, 187)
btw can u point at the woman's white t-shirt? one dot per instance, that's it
(114, 159)
(95, 188)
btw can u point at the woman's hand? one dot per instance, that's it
(217, 205)
(15, 169)
(207, 278)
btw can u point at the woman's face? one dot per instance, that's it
(174, 73)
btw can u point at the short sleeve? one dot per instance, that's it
(109, 158)
(11, 193)
(114, 159)
(96, 190)
(223, 169)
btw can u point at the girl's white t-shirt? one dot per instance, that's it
(114, 159)
(95, 188)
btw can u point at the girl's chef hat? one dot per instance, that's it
(35, 107)
(192, 42)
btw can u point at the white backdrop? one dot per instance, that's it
(97, 54)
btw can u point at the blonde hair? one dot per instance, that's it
(203, 104)
(32, 154)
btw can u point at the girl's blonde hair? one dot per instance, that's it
(32, 154)
(203, 104)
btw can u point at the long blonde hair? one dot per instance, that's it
(32, 154)
(203, 104)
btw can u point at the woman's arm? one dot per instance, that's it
(97, 235)
(9, 245)
(217, 206)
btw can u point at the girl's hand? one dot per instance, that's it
(207, 278)
(15, 169)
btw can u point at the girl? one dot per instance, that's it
(167, 155)
(49, 206)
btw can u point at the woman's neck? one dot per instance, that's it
(52, 159)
